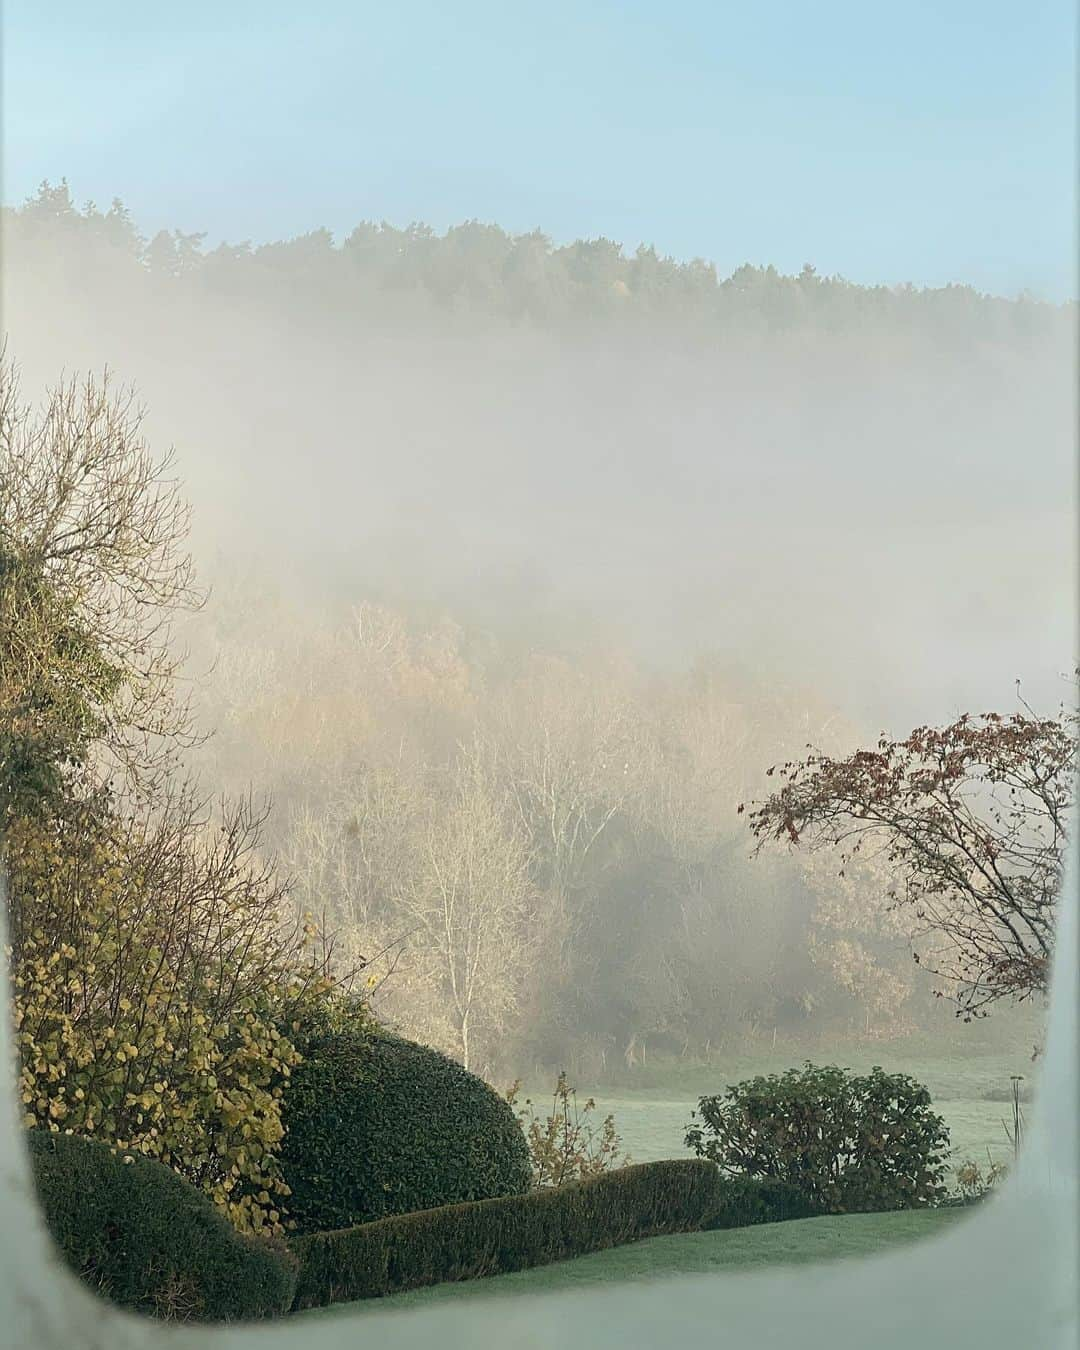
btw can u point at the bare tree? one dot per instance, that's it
(470, 901)
(351, 855)
(571, 751)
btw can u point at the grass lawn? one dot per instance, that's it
(969, 1086)
(767, 1244)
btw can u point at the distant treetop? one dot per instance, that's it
(481, 269)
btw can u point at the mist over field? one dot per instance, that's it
(485, 519)
(539, 680)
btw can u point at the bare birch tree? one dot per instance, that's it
(469, 903)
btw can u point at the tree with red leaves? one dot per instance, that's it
(971, 819)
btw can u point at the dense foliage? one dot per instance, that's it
(377, 1125)
(745, 1200)
(51, 717)
(462, 1242)
(147, 1240)
(152, 999)
(845, 1142)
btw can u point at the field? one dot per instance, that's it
(969, 1083)
(794, 1243)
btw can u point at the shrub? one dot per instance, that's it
(489, 1237)
(973, 1184)
(742, 1201)
(152, 972)
(150, 987)
(567, 1146)
(377, 1125)
(148, 1240)
(845, 1143)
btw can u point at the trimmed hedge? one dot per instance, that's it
(148, 1240)
(742, 1201)
(377, 1125)
(490, 1237)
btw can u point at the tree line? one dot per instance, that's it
(538, 850)
(476, 269)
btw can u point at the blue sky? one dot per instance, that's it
(929, 142)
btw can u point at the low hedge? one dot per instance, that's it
(490, 1237)
(742, 1201)
(148, 1240)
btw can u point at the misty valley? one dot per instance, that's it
(521, 761)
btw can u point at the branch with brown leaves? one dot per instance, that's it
(970, 819)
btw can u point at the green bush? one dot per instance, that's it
(488, 1237)
(150, 1241)
(377, 1125)
(742, 1201)
(845, 1143)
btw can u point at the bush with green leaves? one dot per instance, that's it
(146, 1239)
(489, 1237)
(377, 1125)
(846, 1143)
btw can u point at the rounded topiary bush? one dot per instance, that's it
(376, 1125)
(146, 1239)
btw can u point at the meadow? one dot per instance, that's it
(968, 1075)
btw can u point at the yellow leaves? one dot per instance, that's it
(153, 1059)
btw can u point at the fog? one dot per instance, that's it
(886, 513)
(868, 505)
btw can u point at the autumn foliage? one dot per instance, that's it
(157, 970)
(970, 820)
